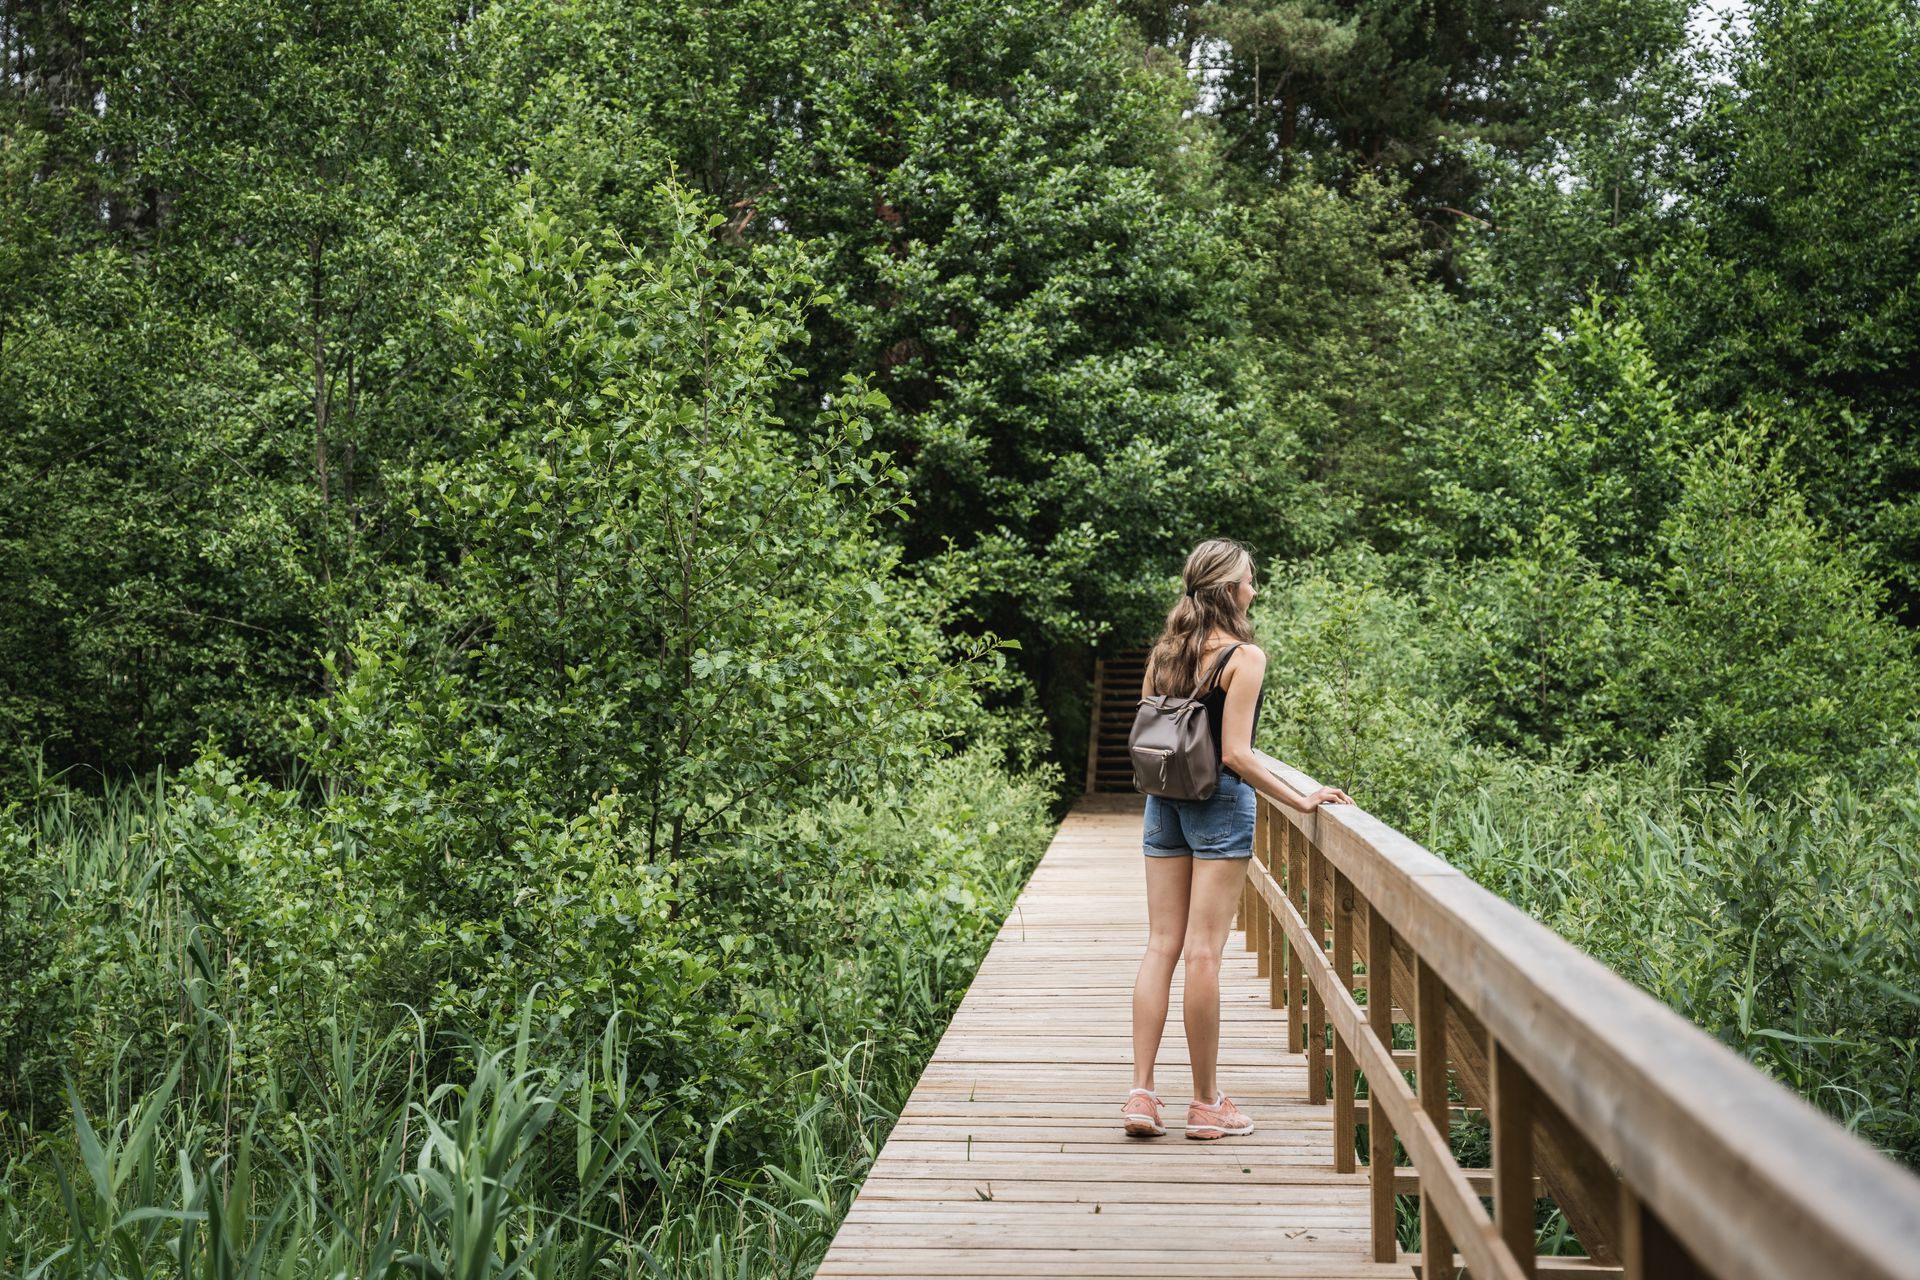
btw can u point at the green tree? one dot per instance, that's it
(1335, 87)
(223, 358)
(669, 619)
(1766, 632)
(1790, 293)
(309, 192)
(604, 98)
(1593, 440)
(1591, 190)
(1018, 254)
(1532, 643)
(1352, 348)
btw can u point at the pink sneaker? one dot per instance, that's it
(1220, 1120)
(1141, 1113)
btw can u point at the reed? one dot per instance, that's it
(394, 1143)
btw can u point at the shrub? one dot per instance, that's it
(1766, 632)
(1532, 641)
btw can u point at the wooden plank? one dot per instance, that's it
(1297, 894)
(1648, 1248)
(1406, 1182)
(1467, 1221)
(1564, 1266)
(1256, 910)
(1577, 1180)
(1270, 921)
(1317, 882)
(1008, 1159)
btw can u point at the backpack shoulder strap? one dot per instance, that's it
(1220, 664)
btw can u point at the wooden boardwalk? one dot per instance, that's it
(1009, 1160)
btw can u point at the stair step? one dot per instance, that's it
(1118, 699)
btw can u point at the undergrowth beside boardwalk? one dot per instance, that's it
(207, 1140)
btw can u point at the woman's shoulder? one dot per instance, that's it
(1248, 657)
(1243, 650)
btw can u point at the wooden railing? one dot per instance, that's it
(1667, 1154)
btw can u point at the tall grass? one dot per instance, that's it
(143, 1134)
(1782, 924)
(527, 1165)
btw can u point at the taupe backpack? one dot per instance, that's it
(1171, 748)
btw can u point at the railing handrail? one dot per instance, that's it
(1749, 1177)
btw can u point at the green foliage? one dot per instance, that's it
(1535, 642)
(1351, 673)
(94, 955)
(1350, 347)
(1016, 256)
(1790, 290)
(1579, 203)
(1592, 441)
(33, 1007)
(587, 738)
(1367, 84)
(602, 99)
(1782, 923)
(259, 1130)
(670, 626)
(223, 351)
(154, 603)
(1767, 634)
(653, 582)
(655, 760)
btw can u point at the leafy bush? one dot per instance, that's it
(1592, 440)
(1766, 632)
(651, 783)
(1534, 641)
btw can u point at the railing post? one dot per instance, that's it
(1296, 971)
(1648, 1251)
(1249, 903)
(1512, 1106)
(1242, 918)
(1430, 1077)
(1257, 936)
(1343, 1075)
(1386, 1244)
(1276, 936)
(1316, 1013)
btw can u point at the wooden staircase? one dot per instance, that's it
(1116, 695)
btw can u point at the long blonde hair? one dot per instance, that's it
(1212, 603)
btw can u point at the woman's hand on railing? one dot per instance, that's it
(1327, 795)
(1272, 779)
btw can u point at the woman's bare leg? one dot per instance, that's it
(1166, 928)
(1214, 897)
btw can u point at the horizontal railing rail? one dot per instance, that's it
(1667, 1154)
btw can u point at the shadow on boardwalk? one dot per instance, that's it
(1009, 1160)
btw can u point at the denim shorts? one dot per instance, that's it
(1219, 827)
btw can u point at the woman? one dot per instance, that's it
(1197, 850)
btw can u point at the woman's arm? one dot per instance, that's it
(1247, 668)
